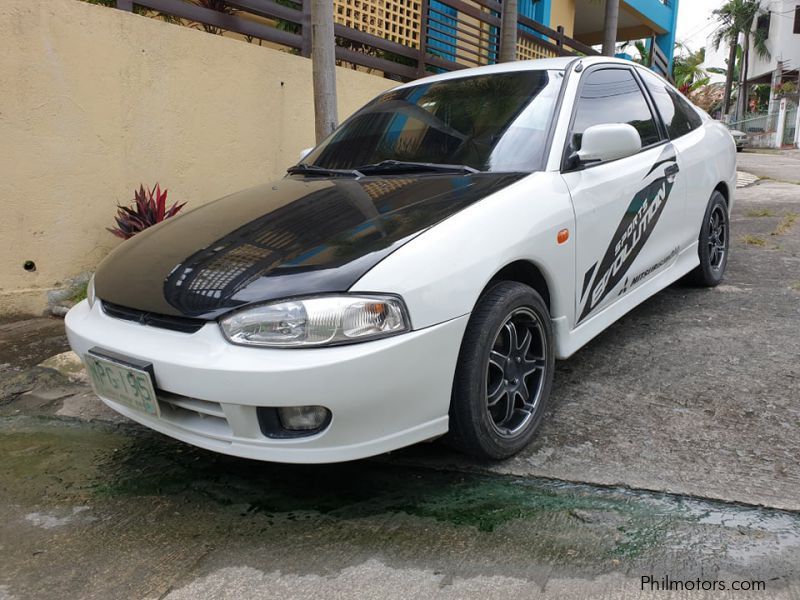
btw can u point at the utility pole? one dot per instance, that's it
(323, 68)
(610, 28)
(508, 31)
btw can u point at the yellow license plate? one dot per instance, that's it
(122, 382)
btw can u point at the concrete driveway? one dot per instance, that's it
(695, 393)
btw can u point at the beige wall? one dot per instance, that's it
(94, 101)
(562, 12)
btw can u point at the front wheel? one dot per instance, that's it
(713, 244)
(504, 373)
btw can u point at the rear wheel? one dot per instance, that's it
(504, 373)
(714, 242)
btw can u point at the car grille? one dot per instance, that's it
(182, 324)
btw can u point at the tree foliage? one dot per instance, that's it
(687, 70)
(736, 18)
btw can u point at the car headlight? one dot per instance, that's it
(319, 321)
(90, 295)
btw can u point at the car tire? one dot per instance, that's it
(713, 244)
(503, 377)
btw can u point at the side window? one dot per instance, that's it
(613, 96)
(678, 116)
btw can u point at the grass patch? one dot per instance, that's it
(761, 212)
(754, 240)
(79, 294)
(787, 222)
(795, 286)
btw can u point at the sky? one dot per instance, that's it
(695, 22)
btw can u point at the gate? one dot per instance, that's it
(790, 126)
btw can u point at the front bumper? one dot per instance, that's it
(384, 394)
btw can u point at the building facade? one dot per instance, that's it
(781, 24)
(453, 31)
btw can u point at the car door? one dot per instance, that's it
(627, 210)
(683, 126)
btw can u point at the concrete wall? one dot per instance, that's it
(562, 12)
(94, 101)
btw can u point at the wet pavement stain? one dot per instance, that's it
(375, 505)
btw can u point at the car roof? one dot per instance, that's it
(540, 64)
(559, 63)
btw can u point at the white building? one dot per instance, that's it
(715, 58)
(783, 40)
(781, 22)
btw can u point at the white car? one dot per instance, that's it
(418, 272)
(740, 138)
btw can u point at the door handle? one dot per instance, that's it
(672, 169)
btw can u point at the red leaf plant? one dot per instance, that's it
(149, 207)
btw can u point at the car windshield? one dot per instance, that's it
(496, 122)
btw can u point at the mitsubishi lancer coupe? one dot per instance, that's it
(418, 273)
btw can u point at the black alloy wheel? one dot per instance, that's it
(713, 244)
(717, 237)
(504, 373)
(515, 372)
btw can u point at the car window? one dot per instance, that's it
(613, 96)
(495, 122)
(678, 116)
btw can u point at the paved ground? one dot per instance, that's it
(694, 393)
(782, 166)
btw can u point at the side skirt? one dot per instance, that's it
(570, 341)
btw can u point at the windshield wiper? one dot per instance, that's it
(304, 169)
(406, 166)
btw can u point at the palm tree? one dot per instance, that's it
(508, 31)
(737, 17)
(726, 32)
(686, 70)
(759, 38)
(641, 49)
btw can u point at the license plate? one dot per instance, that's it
(126, 381)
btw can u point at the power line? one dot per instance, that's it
(699, 28)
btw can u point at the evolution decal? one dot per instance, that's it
(632, 233)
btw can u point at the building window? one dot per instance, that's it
(443, 44)
(797, 19)
(762, 25)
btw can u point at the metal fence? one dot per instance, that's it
(756, 123)
(454, 34)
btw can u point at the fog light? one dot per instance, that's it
(303, 418)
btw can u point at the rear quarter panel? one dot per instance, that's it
(709, 158)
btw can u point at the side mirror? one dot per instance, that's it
(608, 142)
(305, 152)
